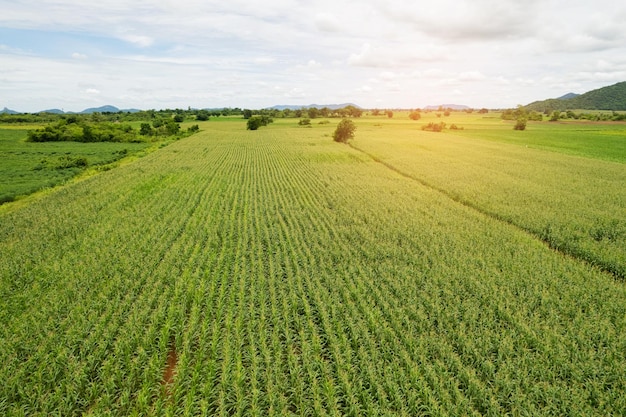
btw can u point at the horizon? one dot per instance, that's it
(155, 55)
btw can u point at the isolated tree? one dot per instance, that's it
(415, 115)
(345, 131)
(257, 120)
(254, 122)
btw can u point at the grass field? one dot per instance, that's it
(276, 272)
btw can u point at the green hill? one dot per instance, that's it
(612, 97)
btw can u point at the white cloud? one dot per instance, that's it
(216, 53)
(327, 22)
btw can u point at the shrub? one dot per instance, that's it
(415, 115)
(520, 124)
(304, 122)
(345, 131)
(434, 127)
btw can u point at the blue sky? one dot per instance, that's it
(385, 54)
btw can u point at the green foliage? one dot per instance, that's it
(344, 131)
(202, 115)
(72, 129)
(146, 129)
(520, 124)
(257, 121)
(556, 115)
(62, 162)
(304, 122)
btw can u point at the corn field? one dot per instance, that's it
(276, 272)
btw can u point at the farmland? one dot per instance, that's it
(275, 272)
(30, 167)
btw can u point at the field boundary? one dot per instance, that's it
(589, 259)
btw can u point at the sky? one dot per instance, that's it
(158, 54)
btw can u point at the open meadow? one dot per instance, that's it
(275, 272)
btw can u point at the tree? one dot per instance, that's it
(389, 114)
(172, 128)
(415, 115)
(202, 115)
(145, 130)
(256, 121)
(345, 131)
(555, 116)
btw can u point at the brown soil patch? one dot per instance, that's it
(170, 370)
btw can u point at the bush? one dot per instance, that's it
(345, 131)
(520, 124)
(434, 127)
(304, 122)
(415, 115)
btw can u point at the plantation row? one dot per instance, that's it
(288, 274)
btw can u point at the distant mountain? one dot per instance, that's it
(318, 106)
(612, 97)
(103, 109)
(8, 111)
(448, 106)
(568, 96)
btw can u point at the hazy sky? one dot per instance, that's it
(158, 54)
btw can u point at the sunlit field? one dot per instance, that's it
(477, 271)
